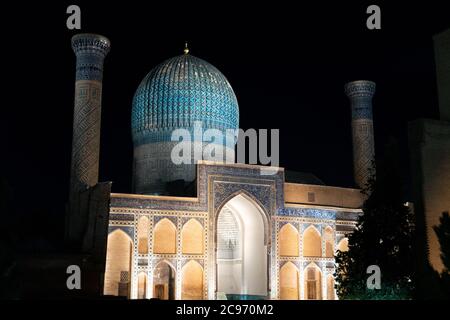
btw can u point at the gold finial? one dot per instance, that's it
(186, 49)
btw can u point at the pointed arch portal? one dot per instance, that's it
(118, 264)
(164, 281)
(242, 232)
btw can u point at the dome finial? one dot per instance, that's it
(186, 49)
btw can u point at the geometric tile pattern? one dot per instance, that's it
(217, 184)
(360, 94)
(177, 94)
(90, 51)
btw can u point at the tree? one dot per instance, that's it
(443, 234)
(383, 237)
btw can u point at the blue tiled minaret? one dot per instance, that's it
(90, 51)
(360, 94)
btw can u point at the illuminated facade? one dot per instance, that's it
(429, 146)
(243, 235)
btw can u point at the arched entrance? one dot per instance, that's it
(142, 285)
(242, 233)
(164, 282)
(118, 264)
(313, 282)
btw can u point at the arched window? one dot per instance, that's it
(142, 231)
(330, 288)
(288, 241)
(313, 283)
(343, 245)
(242, 249)
(165, 237)
(329, 242)
(312, 243)
(142, 285)
(164, 281)
(192, 282)
(288, 282)
(192, 237)
(118, 264)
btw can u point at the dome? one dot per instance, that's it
(178, 92)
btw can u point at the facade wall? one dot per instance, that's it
(323, 195)
(182, 234)
(429, 142)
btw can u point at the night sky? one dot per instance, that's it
(287, 65)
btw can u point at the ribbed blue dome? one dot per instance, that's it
(178, 92)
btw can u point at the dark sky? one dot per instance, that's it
(286, 64)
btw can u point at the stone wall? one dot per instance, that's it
(429, 142)
(323, 195)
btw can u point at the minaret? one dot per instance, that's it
(360, 94)
(90, 51)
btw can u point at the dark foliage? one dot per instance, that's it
(383, 237)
